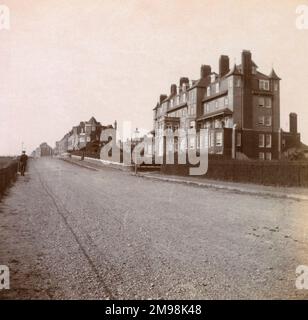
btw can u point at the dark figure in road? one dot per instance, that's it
(23, 163)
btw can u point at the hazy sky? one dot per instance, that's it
(63, 61)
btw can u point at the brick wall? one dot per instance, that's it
(7, 175)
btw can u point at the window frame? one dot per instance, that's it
(261, 120)
(218, 142)
(268, 156)
(268, 142)
(264, 85)
(261, 143)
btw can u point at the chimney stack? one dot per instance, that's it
(173, 89)
(205, 71)
(223, 65)
(246, 63)
(162, 97)
(293, 122)
(183, 81)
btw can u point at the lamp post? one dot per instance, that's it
(136, 132)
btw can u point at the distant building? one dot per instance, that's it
(62, 145)
(239, 107)
(83, 137)
(44, 150)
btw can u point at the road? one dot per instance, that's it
(70, 232)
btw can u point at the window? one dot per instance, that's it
(268, 156)
(230, 82)
(238, 139)
(276, 86)
(268, 141)
(268, 102)
(261, 102)
(218, 139)
(217, 124)
(217, 87)
(171, 103)
(216, 104)
(192, 110)
(268, 121)
(192, 124)
(264, 85)
(254, 70)
(192, 96)
(238, 82)
(261, 140)
(226, 101)
(93, 128)
(261, 120)
(213, 77)
(208, 91)
(184, 97)
(206, 108)
(212, 137)
(261, 155)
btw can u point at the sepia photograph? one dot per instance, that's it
(154, 151)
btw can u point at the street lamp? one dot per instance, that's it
(136, 132)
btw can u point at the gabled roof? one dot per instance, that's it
(234, 71)
(92, 120)
(202, 82)
(273, 75)
(261, 75)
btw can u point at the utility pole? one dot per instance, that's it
(136, 137)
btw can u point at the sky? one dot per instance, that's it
(64, 61)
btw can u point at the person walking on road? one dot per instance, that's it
(23, 163)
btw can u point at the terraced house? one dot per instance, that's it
(239, 107)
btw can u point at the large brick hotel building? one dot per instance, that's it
(239, 106)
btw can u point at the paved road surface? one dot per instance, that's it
(70, 232)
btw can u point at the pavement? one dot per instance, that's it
(69, 232)
(294, 193)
